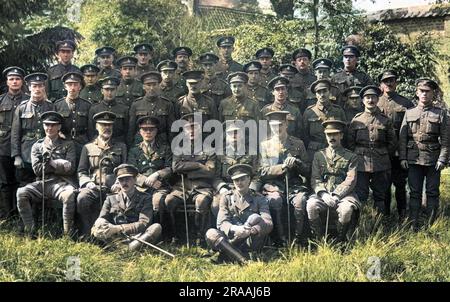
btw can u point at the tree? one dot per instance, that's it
(284, 8)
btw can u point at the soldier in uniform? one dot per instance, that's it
(127, 213)
(169, 89)
(182, 56)
(353, 104)
(301, 59)
(144, 55)
(322, 70)
(267, 72)
(53, 158)
(371, 136)
(215, 88)
(95, 170)
(238, 106)
(295, 95)
(279, 87)
(151, 104)
(244, 219)
(394, 106)
(109, 103)
(194, 100)
(255, 91)
(153, 159)
(27, 126)
(315, 115)
(64, 51)
(198, 168)
(226, 63)
(105, 57)
(350, 76)
(8, 104)
(92, 92)
(284, 157)
(423, 149)
(129, 88)
(333, 180)
(75, 112)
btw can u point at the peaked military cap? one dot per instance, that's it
(208, 58)
(37, 77)
(277, 117)
(225, 41)
(72, 77)
(237, 76)
(352, 92)
(182, 50)
(105, 50)
(149, 121)
(333, 126)
(252, 66)
(125, 170)
(288, 68)
(151, 76)
(127, 61)
(109, 82)
(278, 82)
(322, 63)
(424, 83)
(14, 71)
(240, 170)
(193, 76)
(264, 53)
(143, 48)
(105, 117)
(351, 50)
(301, 52)
(387, 74)
(323, 83)
(66, 44)
(370, 89)
(89, 68)
(167, 65)
(51, 117)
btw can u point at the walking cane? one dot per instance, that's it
(185, 211)
(326, 223)
(288, 210)
(45, 159)
(148, 244)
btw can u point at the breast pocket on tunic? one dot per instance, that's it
(433, 125)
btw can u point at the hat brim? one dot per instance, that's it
(126, 175)
(332, 131)
(51, 122)
(104, 122)
(239, 175)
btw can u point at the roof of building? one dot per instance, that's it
(421, 11)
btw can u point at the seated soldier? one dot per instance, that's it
(244, 220)
(54, 159)
(333, 180)
(128, 212)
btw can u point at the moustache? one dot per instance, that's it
(332, 140)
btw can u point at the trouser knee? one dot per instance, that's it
(345, 211)
(171, 202)
(275, 201)
(313, 209)
(212, 237)
(202, 203)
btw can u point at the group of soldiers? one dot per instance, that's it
(96, 141)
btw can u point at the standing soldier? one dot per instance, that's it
(54, 158)
(315, 115)
(255, 91)
(226, 63)
(144, 55)
(64, 52)
(95, 170)
(279, 88)
(152, 104)
(198, 171)
(130, 88)
(350, 76)
(394, 106)
(322, 70)
(169, 89)
(353, 104)
(238, 106)
(284, 157)
(182, 56)
(424, 149)
(296, 97)
(301, 59)
(244, 219)
(109, 103)
(92, 92)
(127, 213)
(105, 57)
(333, 180)
(75, 112)
(194, 100)
(215, 88)
(267, 72)
(8, 104)
(153, 159)
(372, 138)
(27, 126)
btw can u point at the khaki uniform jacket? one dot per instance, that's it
(8, 105)
(259, 94)
(217, 89)
(120, 130)
(141, 69)
(76, 120)
(128, 91)
(199, 103)
(92, 94)
(172, 92)
(233, 109)
(295, 125)
(224, 68)
(395, 106)
(109, 72)
(344, 80)
(265, 77)
(55, 87)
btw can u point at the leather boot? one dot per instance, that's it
(229, 251)
(316, 228)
